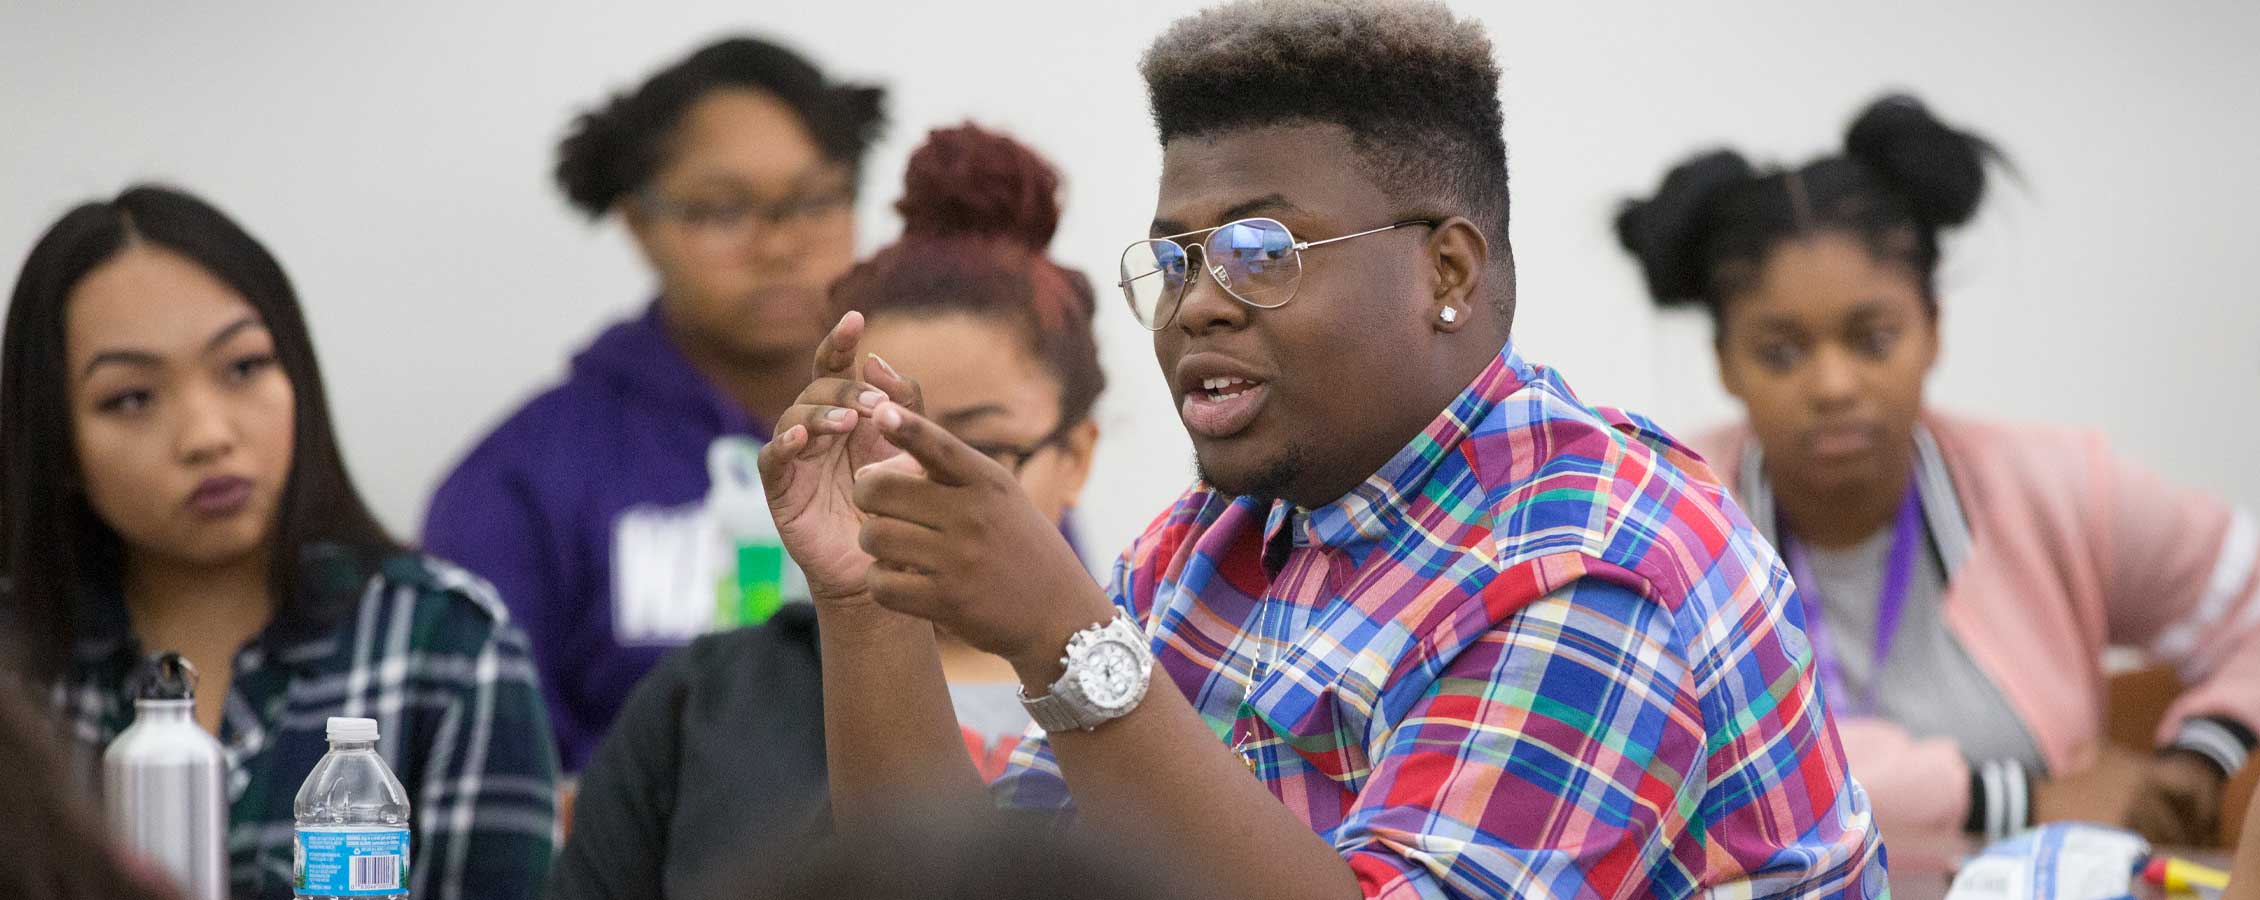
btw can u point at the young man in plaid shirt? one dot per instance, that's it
(1428, 626)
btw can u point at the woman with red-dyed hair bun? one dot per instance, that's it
(998, 337)
(968, 305)
(720, 751)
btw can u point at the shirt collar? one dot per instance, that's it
(1367, 511)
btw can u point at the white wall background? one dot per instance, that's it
(395, 156)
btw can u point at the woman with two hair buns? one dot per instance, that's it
(721, 749)
(1960, 577)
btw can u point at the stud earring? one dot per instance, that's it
(1449, 315)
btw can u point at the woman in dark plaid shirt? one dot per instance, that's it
(171, 482)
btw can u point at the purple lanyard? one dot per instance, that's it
(1898, 573)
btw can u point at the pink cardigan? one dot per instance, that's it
(2067, 549)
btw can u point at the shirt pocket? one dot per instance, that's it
(1320, 702)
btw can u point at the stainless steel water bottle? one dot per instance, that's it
(164, 783)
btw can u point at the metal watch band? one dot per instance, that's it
(1063, 707)
(1051, 713)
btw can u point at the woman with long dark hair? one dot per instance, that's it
(170, 480)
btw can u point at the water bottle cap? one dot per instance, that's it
(168, 676)
(347, 730)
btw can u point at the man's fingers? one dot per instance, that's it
(835, 356)
(831, 406)
(902, 545)
(901, 388)
(896, 489)
(946, 459)
(775, 460)
(845, 393)
(791, 447)
(904, 591)
(821, 421)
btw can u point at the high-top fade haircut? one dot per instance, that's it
(1416, 86)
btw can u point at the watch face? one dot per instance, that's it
(1109, 675)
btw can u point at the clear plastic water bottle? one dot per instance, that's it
(352, 837)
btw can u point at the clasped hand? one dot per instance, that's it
(884, 509)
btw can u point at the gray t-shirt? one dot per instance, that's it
(991, 710)
(1930, 685)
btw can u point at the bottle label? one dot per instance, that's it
(368, 861)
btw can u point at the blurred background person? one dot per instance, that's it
(735, 170)
(939, 857)
(1961, 577)
(169, 480)
(721, 749)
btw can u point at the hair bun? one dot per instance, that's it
(591, 158)
(970, 181)
(1665, 231)
(862, 112)
(1940, 169)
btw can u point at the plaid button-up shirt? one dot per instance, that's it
(1540, 652)
(428, 652)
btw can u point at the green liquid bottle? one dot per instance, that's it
(757, 576)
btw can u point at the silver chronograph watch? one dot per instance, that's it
(1108, 668)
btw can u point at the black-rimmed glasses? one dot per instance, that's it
(736, 215)
(1014, 458)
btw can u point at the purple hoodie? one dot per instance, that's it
(584, 509)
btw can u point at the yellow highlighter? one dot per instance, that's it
(2180, 876)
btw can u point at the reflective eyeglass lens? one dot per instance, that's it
(1153, 278)
(1259, 256)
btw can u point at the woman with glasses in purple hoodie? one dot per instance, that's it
(735, 171)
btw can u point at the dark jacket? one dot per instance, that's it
(717, 758)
